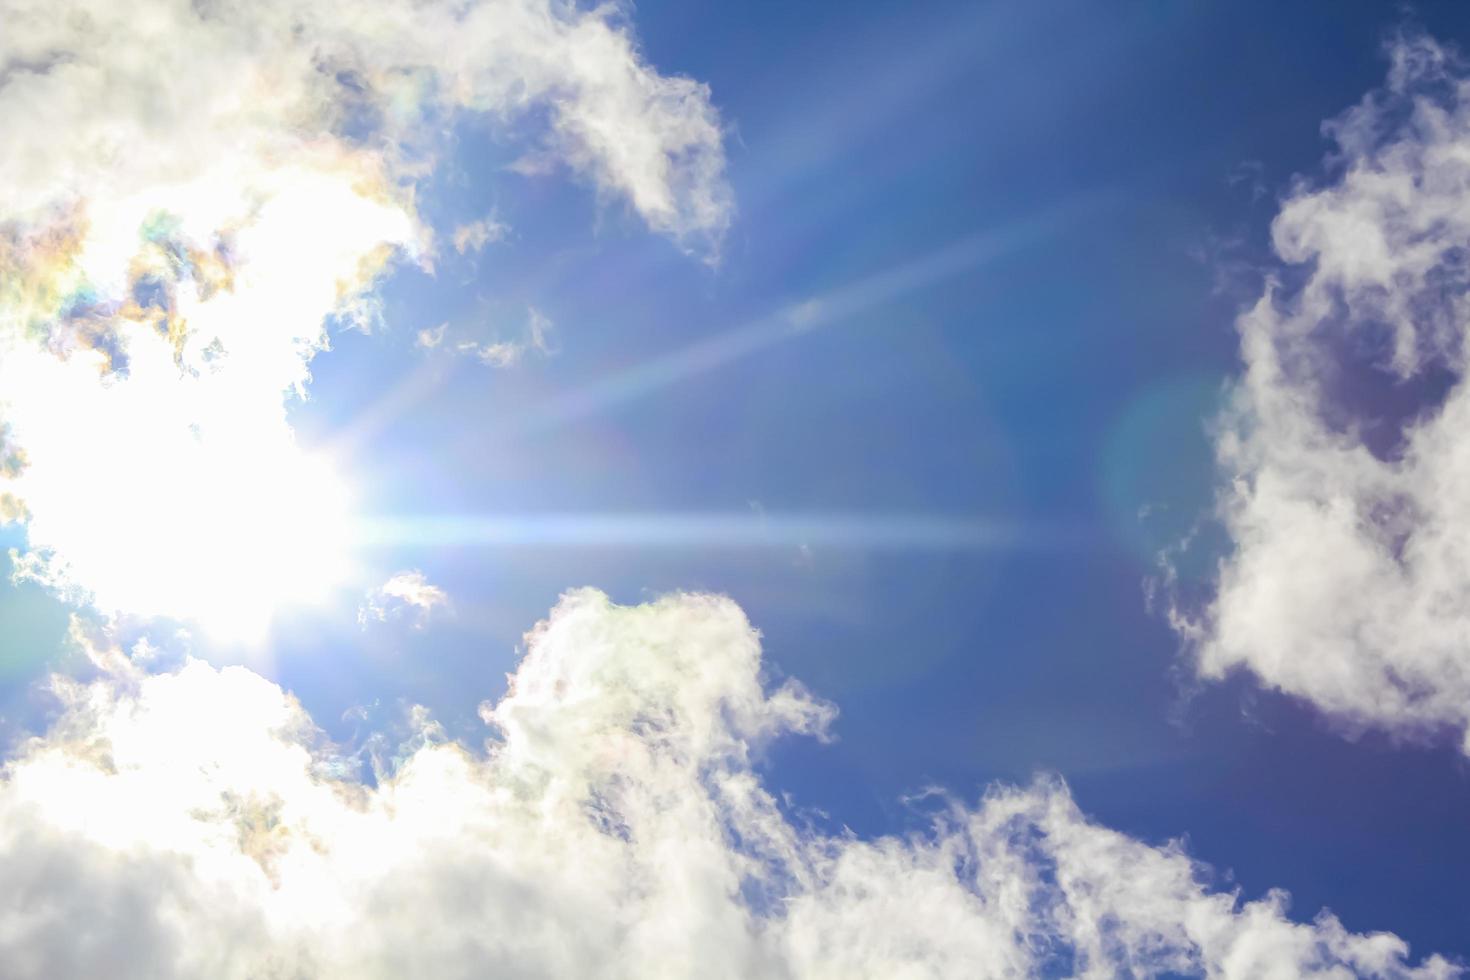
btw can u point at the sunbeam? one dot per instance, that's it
(792, 320)
(734, 530)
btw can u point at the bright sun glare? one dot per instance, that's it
(220, 538)
(172, 502)
(249, 543)
(161, 474)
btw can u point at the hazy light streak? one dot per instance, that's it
(392, 405)
(739, 530)
(796, 319)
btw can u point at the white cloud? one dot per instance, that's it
(431, 337)
(1349, 582)
(805, 314)
(477, 234)
(191, 189)
(406, 594)
(536, 340)
(101, 90)
(194, 824)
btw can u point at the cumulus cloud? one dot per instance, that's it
(195, 823)
(405, 595)
(1344, 445)
(192, 189)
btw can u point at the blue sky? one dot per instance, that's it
(981, 276)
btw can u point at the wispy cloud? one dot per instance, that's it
(535, 339)
(406, 595)
(194, 823)
(471, 237)
(431, 338)
(1343, 446)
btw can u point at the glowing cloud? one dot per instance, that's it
(1344, 447)
(194, 824)
(192, 189)
(405, 594)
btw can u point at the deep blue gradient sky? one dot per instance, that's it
(1027, 229)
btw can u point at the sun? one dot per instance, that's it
(222, 540)
(158, 475)
(212, 516)
(250, 540)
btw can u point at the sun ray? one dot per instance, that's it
(752, 529)
(795, 319)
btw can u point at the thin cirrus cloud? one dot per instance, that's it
(194, 823)
(200, 186)
(1343, 445)
(535, 340)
